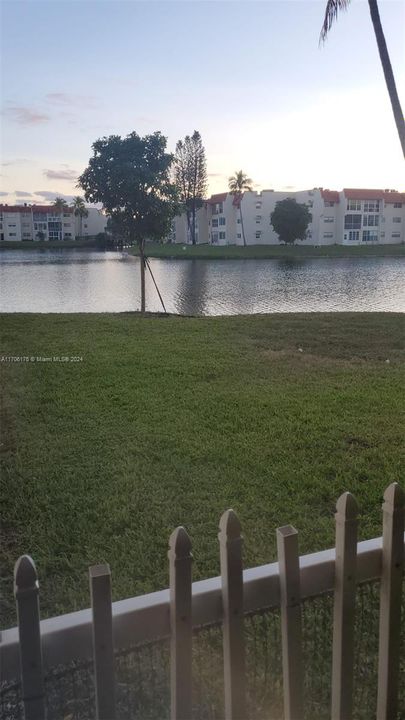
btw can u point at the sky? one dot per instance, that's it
(250, 76)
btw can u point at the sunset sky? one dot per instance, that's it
(249, 76)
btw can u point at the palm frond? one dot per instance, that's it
(331, 12)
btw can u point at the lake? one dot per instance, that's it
(63, 281)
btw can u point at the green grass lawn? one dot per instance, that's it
(269, 251)
(170, 420)
(47, 244)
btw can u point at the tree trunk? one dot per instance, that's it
(241, 222)
(388, 74)
(141, 244)
(193, 226)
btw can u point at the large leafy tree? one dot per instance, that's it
(190, 175)
(130, 176)
(331, 13)
(79, 210)
(290, 220)
(238, 184)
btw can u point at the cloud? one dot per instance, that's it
(25, 115)
(4, 194)
(16, 161)
(51, 195)
(68, 100)
(22, 193)
(220, 175)
(61, 174)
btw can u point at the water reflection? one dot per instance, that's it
(94, 281)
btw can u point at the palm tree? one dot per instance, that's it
(60, 204)
(79, 210)
(331, 13)
(237, 184)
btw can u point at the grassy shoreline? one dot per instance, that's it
(47, 245)
(226, 252)
(258, 252)
(168, 421)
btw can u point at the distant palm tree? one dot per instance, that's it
(237, 184)
(331, 13)
(79, 210)
(60, 204)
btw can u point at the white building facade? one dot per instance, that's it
(350, 217)
(46, 223)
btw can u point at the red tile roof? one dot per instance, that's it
(219, 197)
(330, 195)
(28, 208)
(389, 196)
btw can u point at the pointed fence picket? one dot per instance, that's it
(390, 602)
(226, 599)
(230, 541)
(180, 559)
(344, 607)
(291, 633)
(103, 646)
(26, 592)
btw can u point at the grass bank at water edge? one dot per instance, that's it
(257, 252)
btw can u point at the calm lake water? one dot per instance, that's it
(64, 281)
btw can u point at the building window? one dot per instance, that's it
(215, 222)
(239, 235)
(222, 236)
(13, 234)
(222, 221)
(352, 222)
(11, 225)
(397, 205)
(354, 235)
(353, 205)
(68, 234)
(329, 219)
(258, 219)
(26, 235)
(258, 234)
(328, 235)
(66, 215)
(328, 203)
(396, 235)
(372, 206)
(370, 220)
(238, 221)
(26, 225)
(369, 236)
(310, 203)
(214, 237)
(382, 234)
(396, 219)
(66, 224)
(258, 205)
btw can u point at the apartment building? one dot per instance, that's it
(349, 217)
(45, 222)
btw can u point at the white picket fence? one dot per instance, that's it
(32, 648)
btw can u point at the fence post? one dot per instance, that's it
(230, 541)
(180, 559)
(344, 607)
(26, 592)
(390, 602)
(291, 634)
(103, 648)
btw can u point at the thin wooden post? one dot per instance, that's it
(103, 648)
(390, 602)
(180, 559)
(230, 541)
(26, 592)
(291, 633)
(344, 607)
